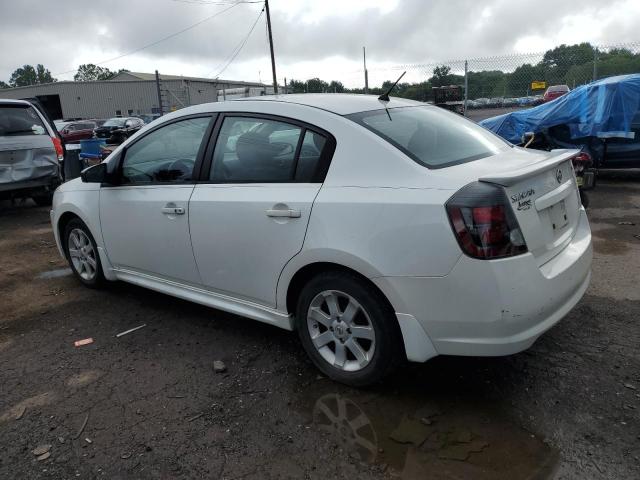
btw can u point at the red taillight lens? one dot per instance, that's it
(57, 144)
(483, 222)
(581, 161)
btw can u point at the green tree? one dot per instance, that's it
(88, 72)
(315, 85)
(28, 75)
(442, 76)
(335, 87)
(296, 86)
(3, 84)
(559, 60)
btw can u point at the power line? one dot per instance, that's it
(217, 2)
(240, 46)
(160, 40)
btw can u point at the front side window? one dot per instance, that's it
(167, 154)
(431, 136)
(255, 150)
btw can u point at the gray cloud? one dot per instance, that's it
(416, 31)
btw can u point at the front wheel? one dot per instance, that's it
(347, 329)
(82, 254)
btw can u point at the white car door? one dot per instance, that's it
(145, 218)
(250, 218)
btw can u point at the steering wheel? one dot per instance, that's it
(184, 166)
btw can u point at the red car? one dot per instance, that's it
(554, 92)
(73, 132)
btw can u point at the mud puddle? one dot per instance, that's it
(431, 437)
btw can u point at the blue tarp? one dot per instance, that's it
(604, 108)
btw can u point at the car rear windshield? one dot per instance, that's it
(431, 136)
(16, 120)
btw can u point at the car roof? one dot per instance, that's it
(14, 102)
(339, 103)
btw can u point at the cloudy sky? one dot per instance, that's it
(322, 38)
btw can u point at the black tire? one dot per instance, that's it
(388, 352)
(98, 279)
(43, 200)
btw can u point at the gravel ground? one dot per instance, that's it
(150, 405)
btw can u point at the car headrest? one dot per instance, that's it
(253, 147)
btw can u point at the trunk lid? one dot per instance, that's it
(545, 200)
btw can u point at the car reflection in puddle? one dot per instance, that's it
(432, 440)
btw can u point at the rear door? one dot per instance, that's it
(250, 216)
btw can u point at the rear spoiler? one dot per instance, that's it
(555, 157)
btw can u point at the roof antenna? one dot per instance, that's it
(385, 96)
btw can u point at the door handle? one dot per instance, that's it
(283, 213)
(173, 210)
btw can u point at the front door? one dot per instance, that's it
(252, 216)
(145, 219)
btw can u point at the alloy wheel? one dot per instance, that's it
(82, 254)
(341, 330)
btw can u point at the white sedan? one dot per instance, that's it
(380, 231)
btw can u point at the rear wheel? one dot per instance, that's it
(82, 254)
(347, 329)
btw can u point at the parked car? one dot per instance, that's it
(59, 124)
(98, 121)
(117, 130)
(73, 132)
(377, 233)
(149, 117)
(601, 119)
(31, 153)
(554, 92)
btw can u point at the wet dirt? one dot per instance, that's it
(152, 406)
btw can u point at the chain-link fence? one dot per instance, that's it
(510, 80)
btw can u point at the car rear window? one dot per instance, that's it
(16, 120)
(431, 136)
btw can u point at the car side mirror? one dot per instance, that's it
(95, 174)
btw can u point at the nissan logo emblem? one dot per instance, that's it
(559, 175)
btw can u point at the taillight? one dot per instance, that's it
(581, 161)
(483, 222)
(57, 144)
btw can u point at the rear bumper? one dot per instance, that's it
(27, 186)
(498, 307)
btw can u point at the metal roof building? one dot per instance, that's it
(128, 93)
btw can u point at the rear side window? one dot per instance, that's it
(260, 150)
(431, 136)
(16, 120)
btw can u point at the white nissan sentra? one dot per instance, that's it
(380, 231)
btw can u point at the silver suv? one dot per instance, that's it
(31, 153)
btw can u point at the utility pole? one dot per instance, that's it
(285, 85)
(366, 73)
(466, 87)
(273, 60)
(159, 94)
